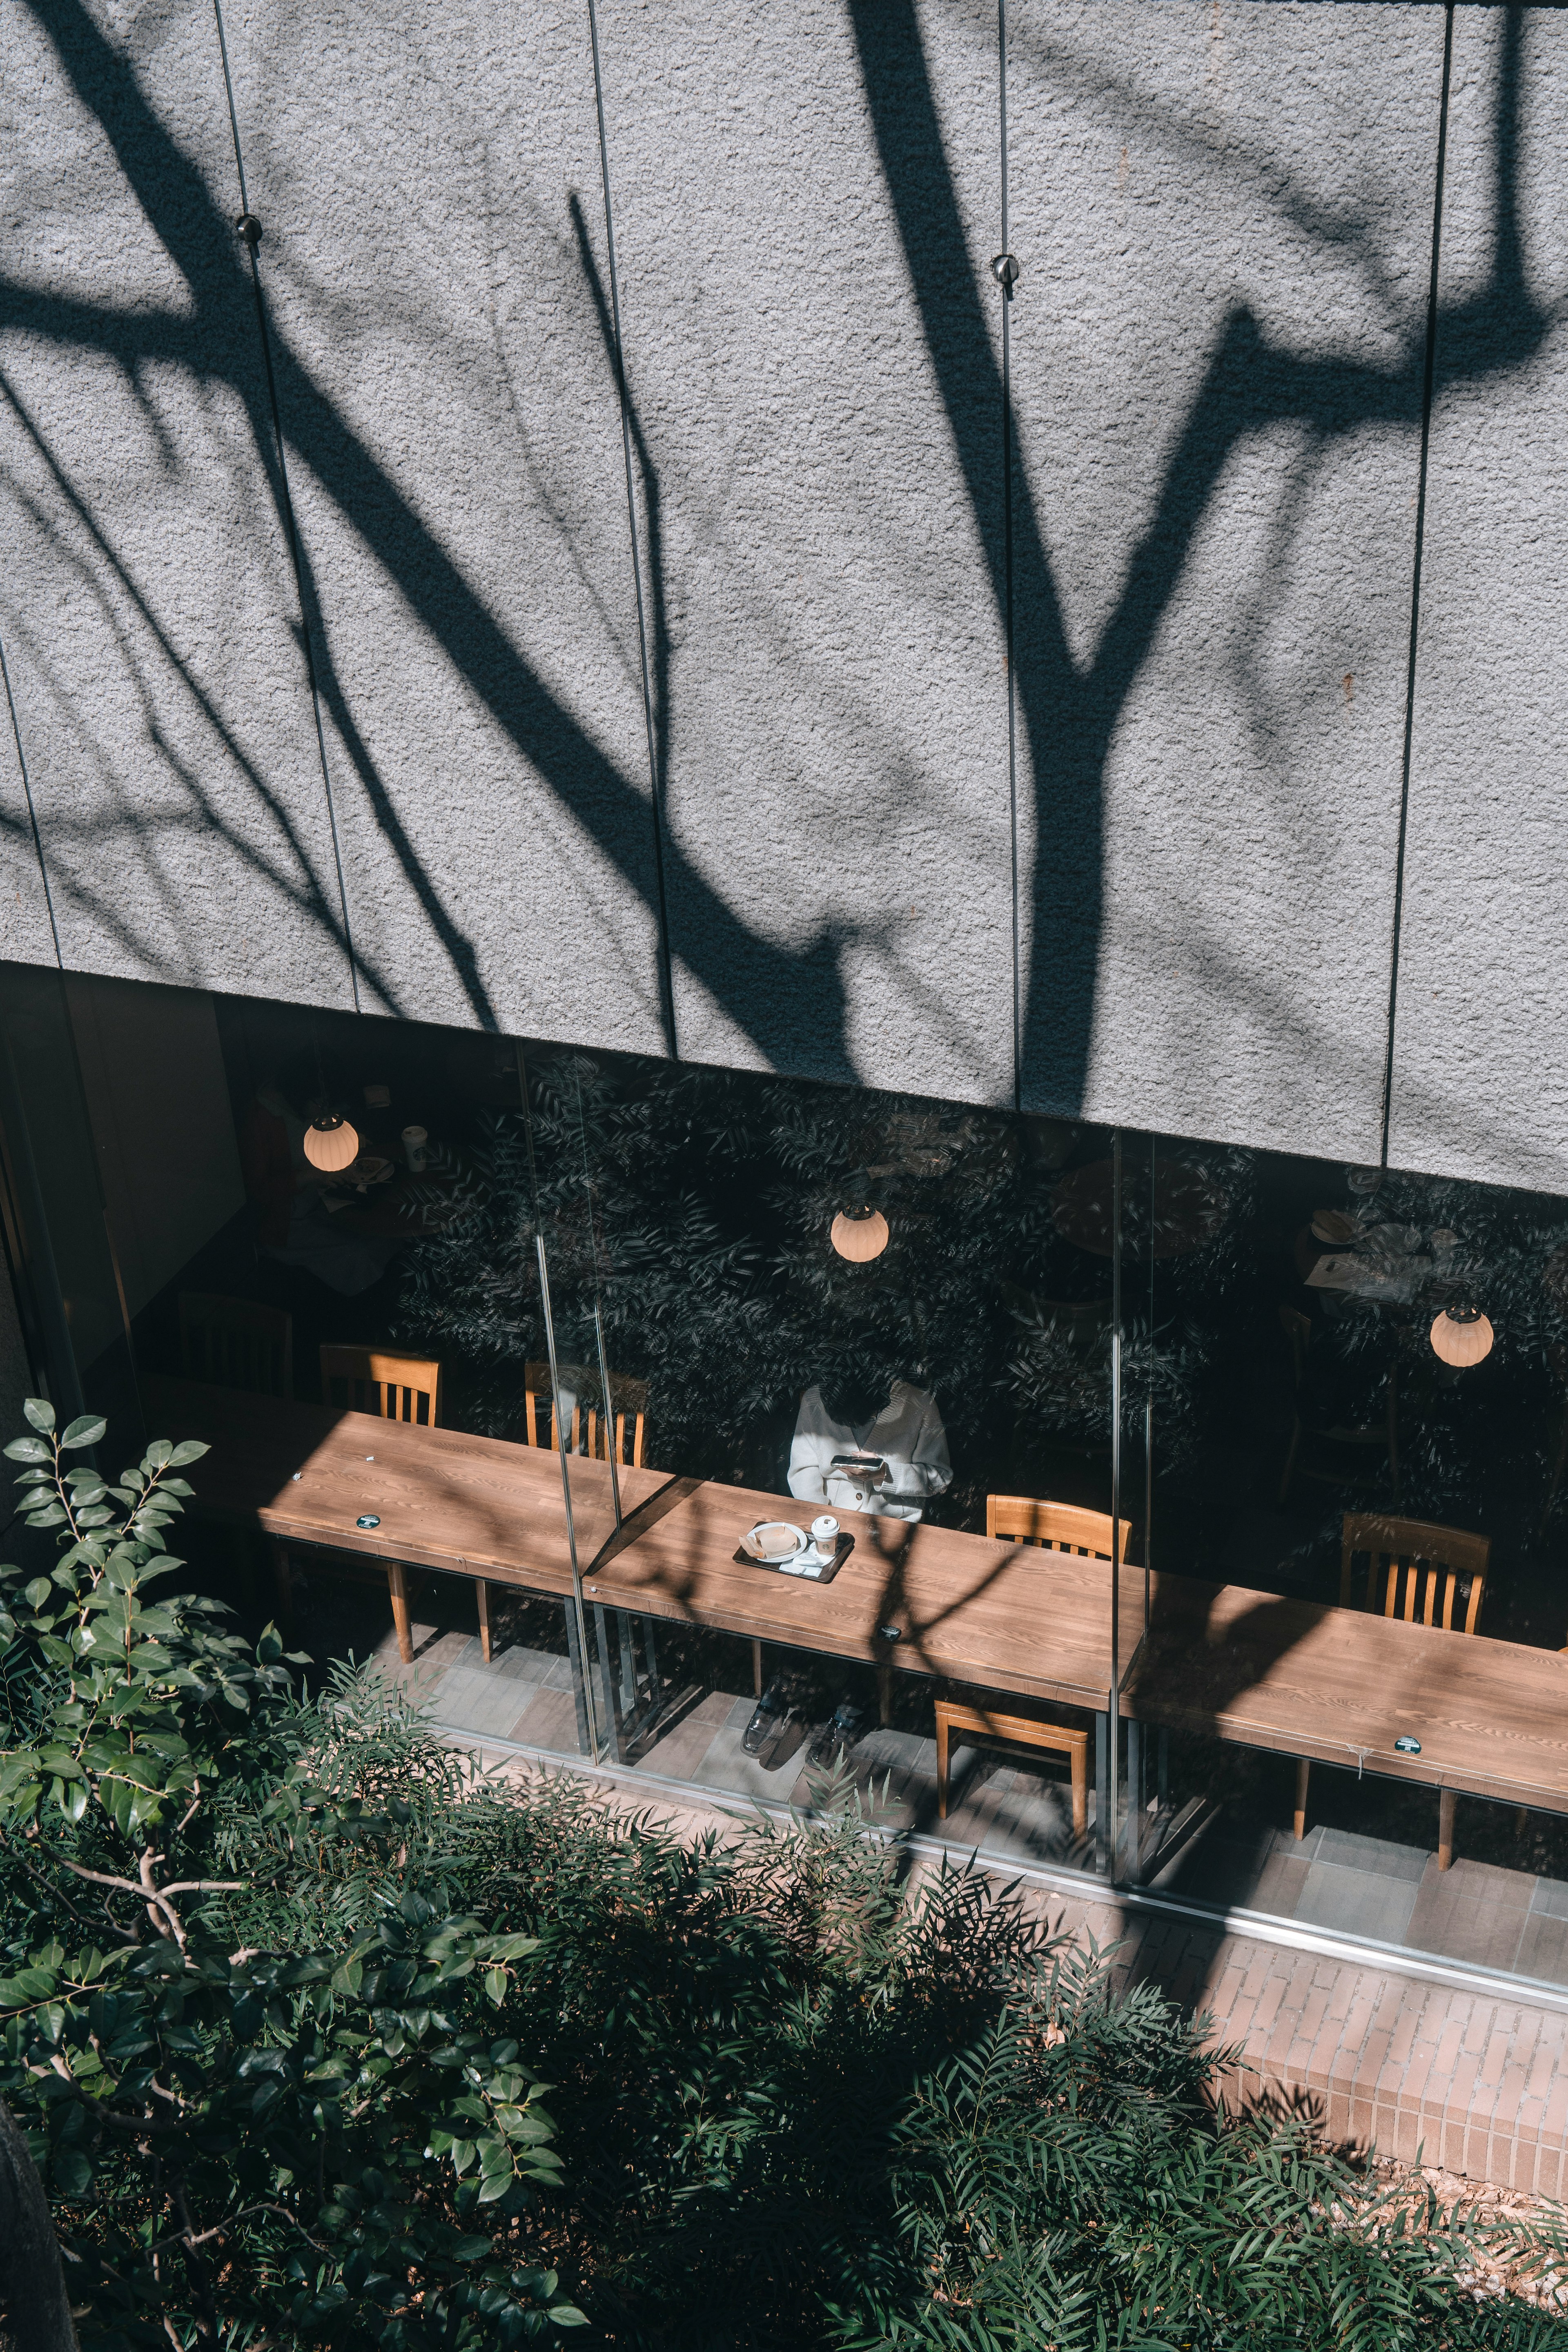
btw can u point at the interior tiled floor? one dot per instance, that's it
(1387, 1889)
(1012, 1806)
(1474, 1912)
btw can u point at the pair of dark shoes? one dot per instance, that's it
(839, 1733)
(773, 1712)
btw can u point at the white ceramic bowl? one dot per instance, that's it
(776, 1540)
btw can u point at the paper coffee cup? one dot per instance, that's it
(414, 1138)
(825, 1532)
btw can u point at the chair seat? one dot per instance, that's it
(995, 1730)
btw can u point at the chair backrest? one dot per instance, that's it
(1297, 1330)
(1059, 1527)
(235, 1344)
(367, 1379)
(629, 1398)
(1415, 1570)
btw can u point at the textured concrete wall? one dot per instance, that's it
(1480, 1064)
(150, 622)
(1223, 218)
(1207, 541)
(429, 180)
(837, 747)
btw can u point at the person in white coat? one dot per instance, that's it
(902, 1430)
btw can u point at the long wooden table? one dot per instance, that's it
(909, 1596)
(1341, 1686)
(1337, 1686)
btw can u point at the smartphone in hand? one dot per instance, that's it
(870, 1466)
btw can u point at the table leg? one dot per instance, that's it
(628, 1662)
(398, 1587)
(574, 1652)
(941, 1729)
(483, 1599)
(611, 1726)
(1447, 1801)
(757, 1667)
(1304, 1774)
(283, 1583)
(1102, 1787)
(885, 1695)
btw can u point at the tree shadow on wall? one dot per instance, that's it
(775, 995)
(771, 992)
(1070, 712)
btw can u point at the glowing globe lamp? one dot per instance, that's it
(859, 1234)
(331, 1143)
(1462, 1336)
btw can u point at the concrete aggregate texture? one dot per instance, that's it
(1189, 479)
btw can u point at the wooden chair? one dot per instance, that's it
(628, 1397)
(1415, 1570)
(1058, 1527)
(1304, 1424)
(1051, 1527)
(1012, 1731)
(235, 1344)
(1419, 1572)
(398, 1388)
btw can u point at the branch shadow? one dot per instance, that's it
(1070, 715)
(770, 990)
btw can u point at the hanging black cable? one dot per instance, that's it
(249, 230)
(1428, 379)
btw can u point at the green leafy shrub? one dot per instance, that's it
(320, 2038)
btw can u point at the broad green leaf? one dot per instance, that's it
(189, 1450)
(37, 1592)
(495, 1984)
(32, 1984)
(41, 1413)
(72, 2170)
(29, 1449)
(85, 1432)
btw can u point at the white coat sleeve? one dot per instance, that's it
(810, 1459)
(929, 1470)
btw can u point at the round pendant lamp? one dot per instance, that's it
(859, 1234)
(331, 1143)
(1462, 1336)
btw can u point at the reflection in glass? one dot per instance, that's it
(1270, 1371)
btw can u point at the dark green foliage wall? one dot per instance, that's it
(695, 1206)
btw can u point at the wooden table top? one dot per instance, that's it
(1341, 1686)
(1007, 1616)
(474, 1506)
(1337, 1685)
(998, 1614)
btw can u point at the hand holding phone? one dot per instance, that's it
(870, 1467)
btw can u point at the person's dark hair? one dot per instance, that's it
(852, 1398)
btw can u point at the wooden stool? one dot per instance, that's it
(1020, 1730)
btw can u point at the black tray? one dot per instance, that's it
(824, 1575)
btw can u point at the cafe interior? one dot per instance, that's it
(1238, 1482)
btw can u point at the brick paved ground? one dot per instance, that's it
(1473, 2079)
